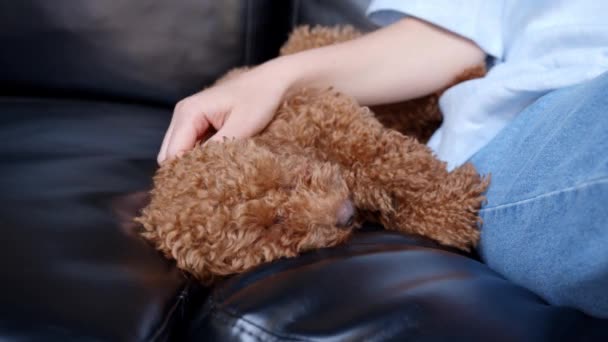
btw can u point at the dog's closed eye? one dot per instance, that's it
(278, 218)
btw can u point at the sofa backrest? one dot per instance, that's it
(144, 50)
(152, 49)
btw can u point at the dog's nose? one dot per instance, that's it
(346, 214)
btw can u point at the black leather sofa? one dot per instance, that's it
(86, 91)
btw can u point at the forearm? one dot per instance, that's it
(405, 60)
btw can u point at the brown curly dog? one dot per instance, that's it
(226, 207)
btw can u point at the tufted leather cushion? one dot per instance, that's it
(384, 286)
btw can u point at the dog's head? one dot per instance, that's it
(226, 207)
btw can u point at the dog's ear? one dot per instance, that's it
(127, 207)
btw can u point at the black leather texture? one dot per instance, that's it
(70, 269)
(146, 51)
(384, 286)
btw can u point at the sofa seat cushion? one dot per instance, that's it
(70, 269)
(383, 286)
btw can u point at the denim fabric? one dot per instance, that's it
(546, 217)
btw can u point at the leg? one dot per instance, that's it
(545, 222)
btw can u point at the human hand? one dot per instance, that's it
(238, 107)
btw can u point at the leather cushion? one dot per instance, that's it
(384, 286)
(152, 50)
(70, 269)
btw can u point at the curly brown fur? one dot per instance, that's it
(391, 177)
(306, 37)
(226, 207)
(229, 206)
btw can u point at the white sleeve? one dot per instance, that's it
(477, 20)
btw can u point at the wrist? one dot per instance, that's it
(291, 72)
(315, 68)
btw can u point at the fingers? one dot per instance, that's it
(183, 132)
(184, 136)
(236, 126)
(162, 155)
(234, 108)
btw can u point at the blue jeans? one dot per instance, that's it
(546, 217)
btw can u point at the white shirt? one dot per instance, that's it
(537, 46)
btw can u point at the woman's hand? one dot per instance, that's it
(408, 59)
(239, 107)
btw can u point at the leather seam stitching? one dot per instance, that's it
(181, 297)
